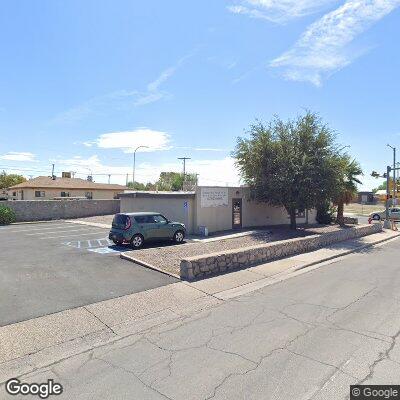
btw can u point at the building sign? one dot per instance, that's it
(214, 197)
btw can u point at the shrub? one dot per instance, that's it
(325, 213)
(7, 215)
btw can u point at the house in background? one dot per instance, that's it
(55, 188)
(367, 198)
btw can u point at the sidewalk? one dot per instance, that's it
(33, 344)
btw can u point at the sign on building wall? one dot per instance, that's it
(214, 197)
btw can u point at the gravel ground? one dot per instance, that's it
(168, 257)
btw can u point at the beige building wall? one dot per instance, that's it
(254, 214)
(29, 194)
(170, 205)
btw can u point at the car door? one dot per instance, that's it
(163, 227)
(395, 214)
(146, 226)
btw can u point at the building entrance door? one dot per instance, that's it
(236, 213)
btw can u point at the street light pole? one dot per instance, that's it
(394, 174)
(134, 163)
(184, 168)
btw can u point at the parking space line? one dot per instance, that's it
(75, 235)
(25, 227)
(46, 233)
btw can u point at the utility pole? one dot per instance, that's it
(134, 163)
(394, 175)
(109, 177)
(126, 180)
(184, 168)
(52, 172)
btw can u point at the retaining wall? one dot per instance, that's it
(41, 210)
(200, 266)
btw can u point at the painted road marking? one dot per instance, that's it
(25, 227)
(46, 233)
(105, 250)
(75, 235)
(87, 244)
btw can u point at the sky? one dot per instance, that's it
(83, 83)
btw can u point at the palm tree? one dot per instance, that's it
(347, 185)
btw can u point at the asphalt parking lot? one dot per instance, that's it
(49, 267)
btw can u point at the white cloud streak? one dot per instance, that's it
(18, 156)
(324, 47)
(278, 11)
(122, 99)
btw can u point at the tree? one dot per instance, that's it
(8, 180)
(289, 164)
(168, 181)
(346, 187)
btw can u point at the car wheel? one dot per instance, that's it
(179, 236)
(376, 217)
(137, 241)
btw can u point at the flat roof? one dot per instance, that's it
(157, 194)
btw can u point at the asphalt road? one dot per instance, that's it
(308, 337)
(49, 267)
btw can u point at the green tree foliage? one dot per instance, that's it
(8, 180)
(168, 181)
(291, 164)
(7, 215)
(346, 186)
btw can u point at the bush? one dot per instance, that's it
(7, 215)
(325, 214)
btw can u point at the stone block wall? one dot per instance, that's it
(42, 210)
(208, 264)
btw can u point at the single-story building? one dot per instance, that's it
(366, 198)
(214, 208)
(50, 188)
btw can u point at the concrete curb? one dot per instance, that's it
(143, 264)
(35, 222)
(97, 224)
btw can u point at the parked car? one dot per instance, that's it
(394, 212)
(137, 228)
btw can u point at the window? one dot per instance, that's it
(89, 195)
(64, 194)
(159, 219)
(39, 193)
(14, 194)
(145, 219)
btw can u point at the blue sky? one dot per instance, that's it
(84, 82)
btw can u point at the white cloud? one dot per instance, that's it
(279, 11)
(18, 156)
(324, 47)
(129, 140)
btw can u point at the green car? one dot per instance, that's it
(137, 228)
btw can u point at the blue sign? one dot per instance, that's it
(185, 204)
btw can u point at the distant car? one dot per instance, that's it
(393, 213)
(137, 228)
